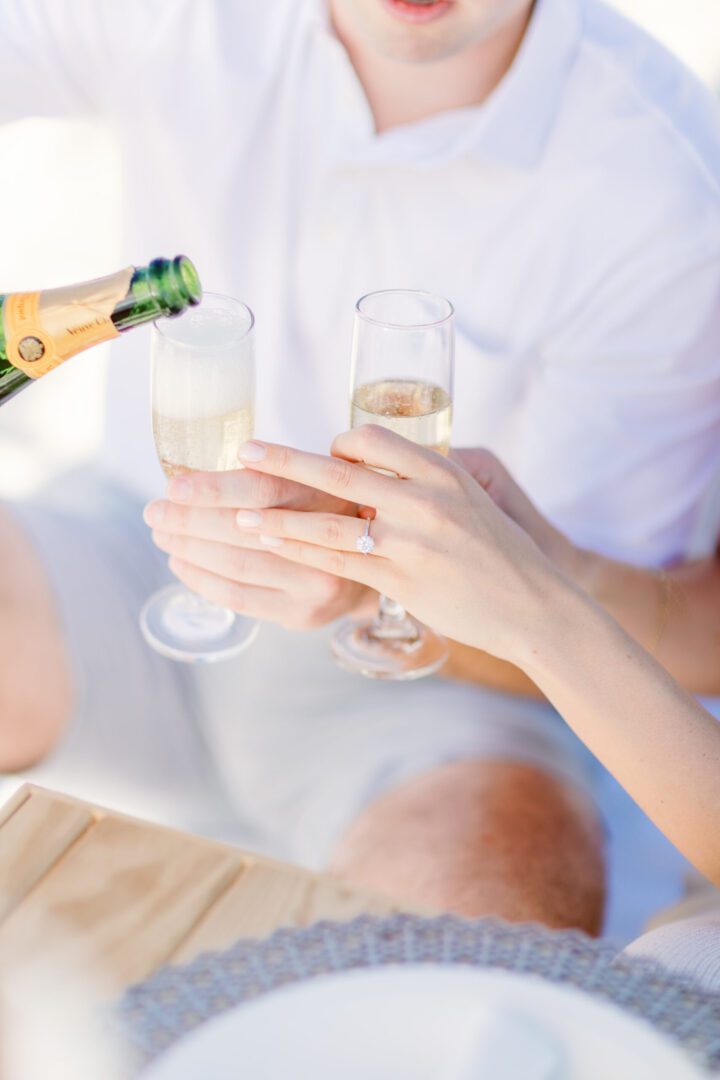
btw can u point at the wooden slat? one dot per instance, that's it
(128, 893)
(329, 899)
(266, 897)
(11, 805)
(32, 840)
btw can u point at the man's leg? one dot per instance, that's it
(35, 680)
(483, 838)
(127, 731)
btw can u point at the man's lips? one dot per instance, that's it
(417, 11)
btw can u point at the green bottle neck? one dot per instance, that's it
(165, 288)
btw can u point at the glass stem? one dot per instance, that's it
(392, 623)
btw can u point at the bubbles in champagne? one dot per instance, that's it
(420, 411)
(203, 364)
(207, 443)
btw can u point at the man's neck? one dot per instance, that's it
(399, 92)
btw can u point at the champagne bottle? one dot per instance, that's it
(40, 330)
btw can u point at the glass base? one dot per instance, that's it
(357, 647)
(183, 626)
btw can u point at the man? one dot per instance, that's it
(555, 174)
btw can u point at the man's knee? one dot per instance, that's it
(483, 837)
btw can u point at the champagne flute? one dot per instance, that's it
(401, 379)
(203, 406)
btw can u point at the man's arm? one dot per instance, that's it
(67, 58)
(35, 683)
(674, 614)
(619, 430)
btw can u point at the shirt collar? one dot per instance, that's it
(512, 126)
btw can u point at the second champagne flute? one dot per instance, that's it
(203, 402)
(402, 379)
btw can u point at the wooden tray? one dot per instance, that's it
(133, 897)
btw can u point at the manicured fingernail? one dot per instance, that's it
(161, 539)
(153, 513)
(179, 489)
(252, 451)
(247, 518)
(271, 541)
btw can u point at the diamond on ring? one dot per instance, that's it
(365, 543)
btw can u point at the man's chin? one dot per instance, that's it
(416, 52)
(401, 40)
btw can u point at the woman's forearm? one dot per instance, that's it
(674, 615)
(659, 744)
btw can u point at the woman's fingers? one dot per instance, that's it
(382, 449)
(330, 474)
(368, 570)
(324, 530)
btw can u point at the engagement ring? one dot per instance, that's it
(365, 543)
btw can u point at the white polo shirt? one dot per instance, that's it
(573, 220)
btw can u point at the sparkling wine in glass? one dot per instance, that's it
(402, 379)
(203, 407)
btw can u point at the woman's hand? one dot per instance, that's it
(506, 493)
(442, 547)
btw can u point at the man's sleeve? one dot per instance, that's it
(58, 56)
(622, 418)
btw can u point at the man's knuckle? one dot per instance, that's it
(317, 617)
(178, 545)
(281, 456)
(368, 436)
(237, 599)
(239, 563)
(208, 486)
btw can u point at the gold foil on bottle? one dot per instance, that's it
(43, 329)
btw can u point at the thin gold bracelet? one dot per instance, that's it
(664, 612)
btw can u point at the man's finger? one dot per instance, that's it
(234, 563)
(236, 488)
(250, 600)
(201, 522)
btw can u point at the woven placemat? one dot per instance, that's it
(156, 1013)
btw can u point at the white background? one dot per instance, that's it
(60, 194)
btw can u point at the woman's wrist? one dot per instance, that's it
(560, 615)
(544, 604)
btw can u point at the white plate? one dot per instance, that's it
(424, 1022)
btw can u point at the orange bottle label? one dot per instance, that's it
(43, 329)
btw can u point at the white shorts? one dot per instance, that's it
(277, 750)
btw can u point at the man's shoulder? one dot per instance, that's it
(244, 32)
(643, 92)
